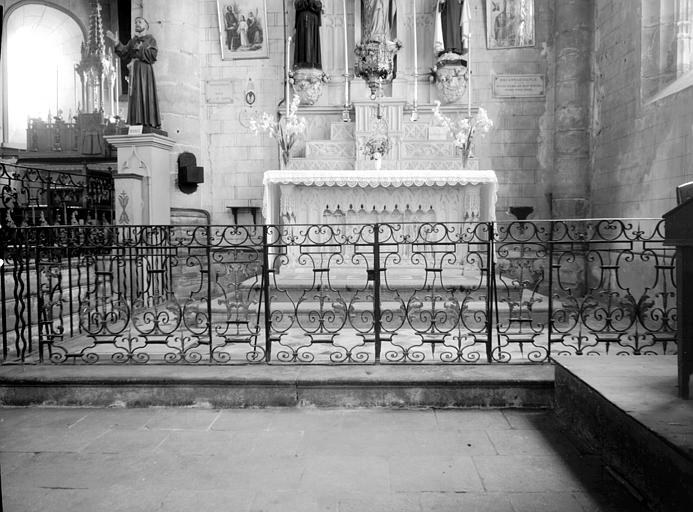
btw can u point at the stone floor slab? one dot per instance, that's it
(307, 460)
(520, 473)
(465, 502)
(434, 474)
(474, 419)
(183, 419)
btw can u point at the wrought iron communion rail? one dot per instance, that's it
(371, 294)
(41, 197)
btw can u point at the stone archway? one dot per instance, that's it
(40, 48)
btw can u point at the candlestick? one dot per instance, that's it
(288, 56)
(469, 79)
(416, 58)
(346, 56)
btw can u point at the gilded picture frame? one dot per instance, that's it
(509, 24)
(243, 29)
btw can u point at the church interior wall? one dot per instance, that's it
(519, 148)
(234, 157)
(641, 149)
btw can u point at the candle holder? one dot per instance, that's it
(308, 84)
(375, 63)
(451, 80)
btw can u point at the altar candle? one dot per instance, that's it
(288, 57)
(346, 57)
(117, 66)
(416, 57)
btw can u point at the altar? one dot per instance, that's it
(387, 196)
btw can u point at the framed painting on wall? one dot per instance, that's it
(243, 29)
(509, 24)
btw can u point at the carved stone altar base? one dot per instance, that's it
(302, 197)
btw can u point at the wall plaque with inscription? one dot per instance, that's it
(219, 91)
(518, 86)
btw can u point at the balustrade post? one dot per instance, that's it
(265, 293)
(376, 290)
(549, 323)
(491, 291)
(208, 254)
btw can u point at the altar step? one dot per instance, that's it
(420, 130)
(342, 131)
(337, 164)
(408, 149)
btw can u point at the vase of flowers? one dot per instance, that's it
(464, 130)
(376, 148)
(286, 131)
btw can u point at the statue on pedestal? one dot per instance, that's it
(453, 20)
(451, 42)
(141, 52)
(377, 20)
(307, 75)
(308, 21)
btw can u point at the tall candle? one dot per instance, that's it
(416, 59)
(288, 57)
(346, 56)
(469, 81)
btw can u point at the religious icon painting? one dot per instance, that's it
(243, 29)
(509, 24)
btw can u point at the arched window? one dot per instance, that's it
(666, 47)
(42, 46)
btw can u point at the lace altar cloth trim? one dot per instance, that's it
(372, 178)
(369, 178)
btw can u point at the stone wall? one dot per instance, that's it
(233, 157)
(202, 98)
(520, 148)
(641, 150)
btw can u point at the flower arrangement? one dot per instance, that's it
(464, 130)
(286, 131)
(376, 147)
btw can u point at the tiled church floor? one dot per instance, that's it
(297, 459)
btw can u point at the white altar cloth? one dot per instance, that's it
(301, 196)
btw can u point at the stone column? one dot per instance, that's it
(573, 45)
(146, 157)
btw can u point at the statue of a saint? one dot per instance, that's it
(377, 20)
(452, 13)
(307, 52)
(140, 52)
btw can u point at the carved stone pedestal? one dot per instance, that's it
(143, 191)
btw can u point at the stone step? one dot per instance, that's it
(428, 150)
(261, 385)
(330, 149)
(415, 131)
(438, 164)
(342, 131)
(314, 164)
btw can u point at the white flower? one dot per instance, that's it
(285, 131)
(464, 130)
